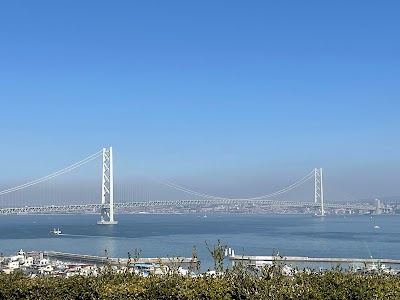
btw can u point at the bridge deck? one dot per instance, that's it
(98, 206)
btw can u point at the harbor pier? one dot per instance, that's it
(269, 260)
(167, 261)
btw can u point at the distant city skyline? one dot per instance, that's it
(227, 98)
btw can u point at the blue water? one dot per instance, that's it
(175, 235)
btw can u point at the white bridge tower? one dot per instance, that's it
(319, 191)
(107, 189)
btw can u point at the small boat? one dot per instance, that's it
(376, 226)
(55, 231)
(318, 215)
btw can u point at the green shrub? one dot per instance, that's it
(238, 283)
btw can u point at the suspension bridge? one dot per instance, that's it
(106, 205)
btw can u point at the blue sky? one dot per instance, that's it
(221, 96)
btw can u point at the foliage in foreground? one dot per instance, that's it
(233, 284)
(238, 283)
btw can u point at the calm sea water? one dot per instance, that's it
(175, 235)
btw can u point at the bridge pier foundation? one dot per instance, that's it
(106, 218)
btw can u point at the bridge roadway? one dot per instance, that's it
(98, 206)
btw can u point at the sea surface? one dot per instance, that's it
(170, 235)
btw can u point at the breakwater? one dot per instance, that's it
(167, 261)
(260, 260)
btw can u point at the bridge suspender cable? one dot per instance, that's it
(162, 181)
(287, 189)
(183, 189)
(53, 175)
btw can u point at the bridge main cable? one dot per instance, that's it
(188, 191)
(287, 189)
(53, 175)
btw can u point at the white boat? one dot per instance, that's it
(55, 231)
(376, 226)
(319, 215)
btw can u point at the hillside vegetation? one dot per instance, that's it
(268, 283)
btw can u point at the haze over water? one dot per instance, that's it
(174, 235)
